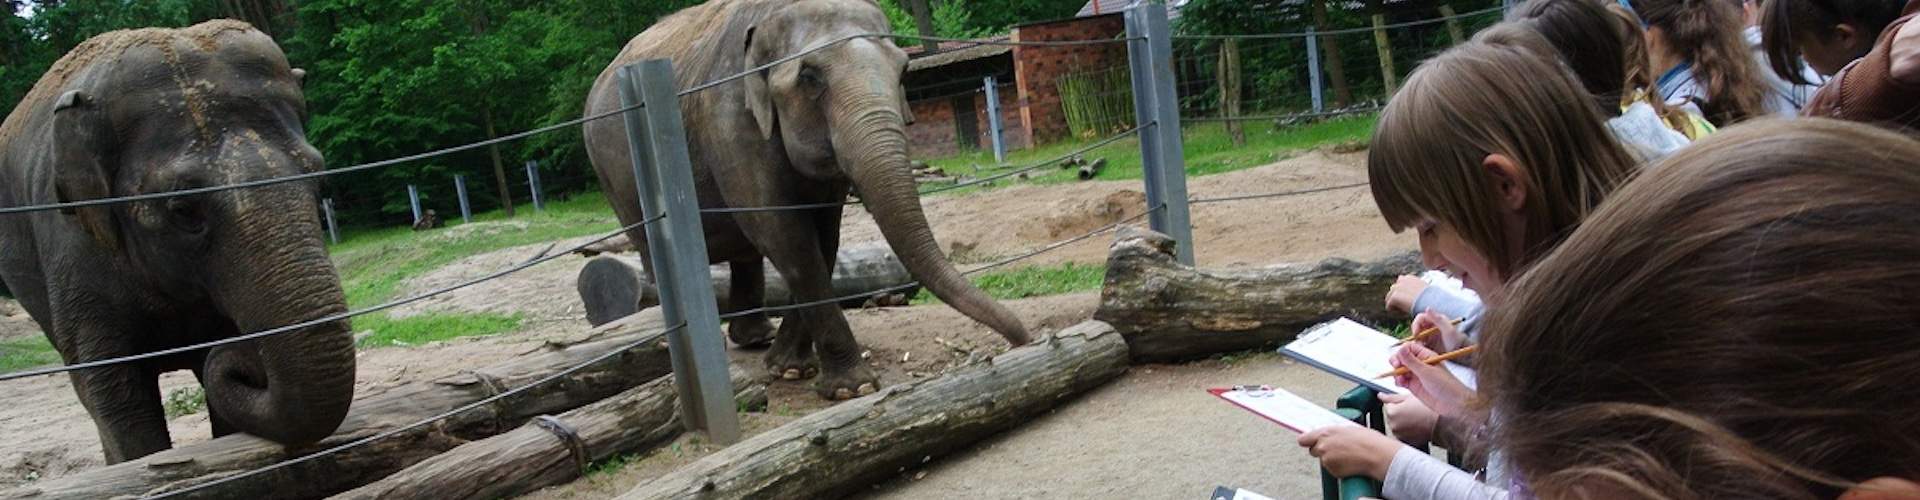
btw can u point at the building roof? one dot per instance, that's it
(919, 60)
(1098, 7)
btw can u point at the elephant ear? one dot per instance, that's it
(906, 108)
(79, 155)
(760, 84)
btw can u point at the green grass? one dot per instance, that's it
(420, 329)
(373, 263)
(1032, 281)
(27, 352)
(185, 401)
(1207, 147)
(612, 464)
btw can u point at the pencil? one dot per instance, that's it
(1430, 361)
(1429, 331)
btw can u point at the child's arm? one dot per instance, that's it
(1416, 476)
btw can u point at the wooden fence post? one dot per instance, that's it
(1229, 77)
(1386, 53)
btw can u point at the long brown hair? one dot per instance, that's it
(1708, 34)
(1738, 322)
(1479, 99)
(1587, 42)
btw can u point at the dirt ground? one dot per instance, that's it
(1153, 418)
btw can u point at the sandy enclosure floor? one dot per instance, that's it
(44, 432)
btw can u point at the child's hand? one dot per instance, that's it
(1405, 290)
(1434, 385)
(1351, 450)
(1904, 54)
(1447, 339)
(1409, 419)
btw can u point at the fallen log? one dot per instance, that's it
(1169, 311)
(614, 286)
(552, 451)
(388, 409)
(843, 449)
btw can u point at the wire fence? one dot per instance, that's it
(1203, 56)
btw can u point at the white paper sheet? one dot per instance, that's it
(1286, 408)
(1356, 352)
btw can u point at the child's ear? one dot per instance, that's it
(1883, 488)
(1507, 181)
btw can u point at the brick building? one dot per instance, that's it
(949, 108)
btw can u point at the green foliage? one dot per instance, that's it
(185, 401)
(1032, 281)
(373, 263)
(420, 329)
(27, 352)
(612, 464)
(951, 19)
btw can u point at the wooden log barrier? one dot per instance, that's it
(388, 409)
(1170, 312)
(843, 449)
(614, 286)
(552, 450)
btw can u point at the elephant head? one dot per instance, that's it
(216, 105)
(840, 113)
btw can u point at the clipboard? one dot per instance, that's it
(1281, 407)
(1225, 493)
(1349, 350)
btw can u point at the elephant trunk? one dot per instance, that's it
(870, 140)
(293, 388)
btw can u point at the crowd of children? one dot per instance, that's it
(1693, 230)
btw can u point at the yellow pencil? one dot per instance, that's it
(1429, 331)
(1430, 361)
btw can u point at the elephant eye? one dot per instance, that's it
(186, 215)
(809, 76)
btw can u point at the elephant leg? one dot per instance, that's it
(847, 374)
(124, 401)
(800, 258)
(747, 292)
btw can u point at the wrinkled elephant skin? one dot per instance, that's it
(159, 110)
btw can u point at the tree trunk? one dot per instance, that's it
(923, 19)
(1230, 89)
(1453, 25)
(536, 455)
(383, 411)
(845, 448)
(1169, 311)
(1385, 49)
(1330, 48)
(613, 286)
(499, 169)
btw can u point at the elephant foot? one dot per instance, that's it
(750, 331)
(853, 382)
(792, 364)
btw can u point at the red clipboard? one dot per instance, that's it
(1282, 407)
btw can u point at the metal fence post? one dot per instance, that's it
(333, 231)
(460, 188)
(1156, 110)
(993, 122)
(533, 184)
(664, 176)
(1313, 70)
(413, 199)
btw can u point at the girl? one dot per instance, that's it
(1702, 58)
(1735, 324)
(1828, 34)
(1491, 171)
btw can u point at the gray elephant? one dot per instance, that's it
(157, 110)
(804, 131)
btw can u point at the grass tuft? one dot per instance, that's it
(27, 352)
(185, 401)
(1033, 281)
(421, 329)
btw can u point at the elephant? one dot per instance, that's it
(152, 111)
(806, 131)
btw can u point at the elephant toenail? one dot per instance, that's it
(866, 389)
(791, 374)
(842, 393)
